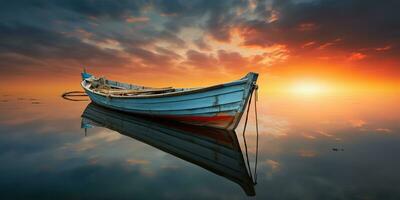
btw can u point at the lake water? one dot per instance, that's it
(326, 147)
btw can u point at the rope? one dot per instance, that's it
(244, 131)
(244, 137)
(255, 110)
(68, 95)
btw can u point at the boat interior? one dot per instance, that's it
(109, 87)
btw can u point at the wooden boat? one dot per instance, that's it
(215, 150)
(219, 106)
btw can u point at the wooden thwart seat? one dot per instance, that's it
(123, 92)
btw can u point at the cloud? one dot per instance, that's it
(27, 48)
(275, 165)
(385, 48)
(200, 60)
(306, 27)
(100, 8)
(144, 35)
(91, 141)
(357, 123)
(307, 153)
(136, 19)
(232, 60)
(384, 130)
(202, 45)
(137, 162)
(41, 43)
(354, 21)
(161, 59)
(356, 56)
(217, 18)
(309, 136)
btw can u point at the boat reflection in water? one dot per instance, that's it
(215, 150)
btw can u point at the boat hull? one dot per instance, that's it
(219, 106)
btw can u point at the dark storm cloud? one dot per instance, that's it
(103, 8)
(38, 43)
(201, 44)
(25, 47)
(37, 33)
(215, 17)
(231, 59)
(98, 8)
(349, 25)
(198, 59)
(33, 32)
(153, 59)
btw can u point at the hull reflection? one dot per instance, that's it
(215, 150)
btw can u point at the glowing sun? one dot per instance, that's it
(308, 88)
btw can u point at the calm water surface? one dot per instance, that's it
(334, 147)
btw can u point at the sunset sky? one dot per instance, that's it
(302, 45)
(324, 123)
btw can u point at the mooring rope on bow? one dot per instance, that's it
(255, 87)
(255, 110)
(68, 95)
(244, 137)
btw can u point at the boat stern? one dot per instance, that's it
(85, 75)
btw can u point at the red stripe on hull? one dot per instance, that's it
(220, 121)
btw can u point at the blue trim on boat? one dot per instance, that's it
(85, 75)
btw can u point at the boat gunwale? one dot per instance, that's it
(196, 98)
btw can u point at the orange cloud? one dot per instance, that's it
(384, 130)
(306, 27)
(357, 123)
(274, 16)
(137, 162)
(275, 165)
(307, 153)
(136, 19)
(385, 48)
(310, 137)
(308, 44)
(328, 44)
(356, 56)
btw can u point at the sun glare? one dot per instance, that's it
(308, 88)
